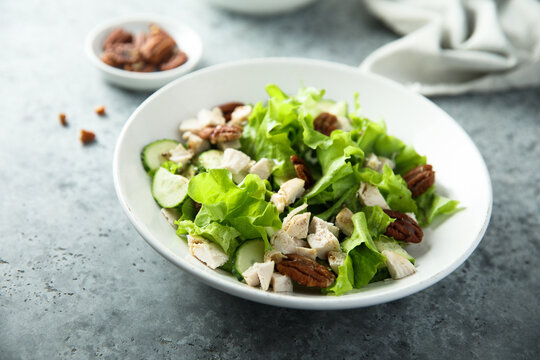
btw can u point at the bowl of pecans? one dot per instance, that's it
(143, 52)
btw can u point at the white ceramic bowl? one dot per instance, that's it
(187, 40)
(261, 7)
(461, 171)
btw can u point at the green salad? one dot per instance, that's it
(295, 192)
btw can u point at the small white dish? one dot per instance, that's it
(186, 39)
(461, 171)
(261, 7)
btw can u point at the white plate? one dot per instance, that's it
(261, 7)
(186, 39)
(461, 171)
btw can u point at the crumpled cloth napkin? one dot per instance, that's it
(455, 46)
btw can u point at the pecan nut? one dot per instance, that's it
(228, 108)
(325, 123)
(175, 61)
(225, 133)
(206, 133)
(117, 36)
(404, 228)
(120, 55)
(302, 171)
(158, 47)
(305, 271)
(420, 179)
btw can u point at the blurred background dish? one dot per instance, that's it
(186, 39)
(261, 7)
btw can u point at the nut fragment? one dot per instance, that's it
(100, 110)
(325, 123)
(302, 171)
(175, 61)
(158, 47)
(228, 108)
(225, 133)
(117, 36)
(63, 119)
(86, 136)
(403, 228)
(305, 271)
(420, 179)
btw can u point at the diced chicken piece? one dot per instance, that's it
(207, 252)
(336, 259)
(235, 161)
(259, 273)
(370, 195)
(240, 115)
(377, 162)
(306, 252)
(297, 226)
(262, 168)
(288, 193)
(294, 212)
(398, 266)
(180, 155)
(196, 144)
(318, 223)
(281, 283)
(344, 123)
(212, 117)
(191, 125)
(273, 255)
(323, 241)
(284, 243)
(344, 222)
(301, 243)
(233, 144)
(171, 215)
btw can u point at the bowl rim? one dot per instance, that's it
(284, 300)
(119, 21)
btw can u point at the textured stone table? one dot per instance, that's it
(77, 281)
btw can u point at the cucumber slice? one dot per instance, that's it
(247, 254)
(168, 189)
(384, 243)
(151, 154)
(211, 159)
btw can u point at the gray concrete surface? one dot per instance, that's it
(76, 280)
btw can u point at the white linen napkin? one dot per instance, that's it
(457, 46)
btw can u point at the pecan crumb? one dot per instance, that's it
(404, 228)
(87, 137)
(302, 171)
(420, 179)
(305, 271)
(100, 110)
(63, 119)
(325, 123)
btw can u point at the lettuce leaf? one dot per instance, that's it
(223, 235)
(430, 205)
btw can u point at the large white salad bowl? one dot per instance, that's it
(460, 170)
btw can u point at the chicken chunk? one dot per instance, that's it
(171, 215)
(344, 222)
(318, 223)
(196, 144)
(297, 226)
(288, 193)
(306, 252)
(235, 161)
(259, 273)
(283, 242)
(336, 259)
(370, 195)
(240, 115)
(377, 162)
(207, 252)
(398, 266)
(262, 168)
(281, 283)
(323, 241)
(180, 155)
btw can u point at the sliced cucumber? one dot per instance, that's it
(211, 159)
(247, 254)
(168, 189)
(384, 243)
(151, 154)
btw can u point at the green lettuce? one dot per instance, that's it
(430, 204)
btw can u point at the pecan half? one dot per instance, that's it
(224, 133)
(228, 108)
(117, 36)
(206, 132)
(305, 271)
(175, 61)
(325, 123)
(403, 228)
(302, 171)
(158, 47)
(120, 55)
(420, 179)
